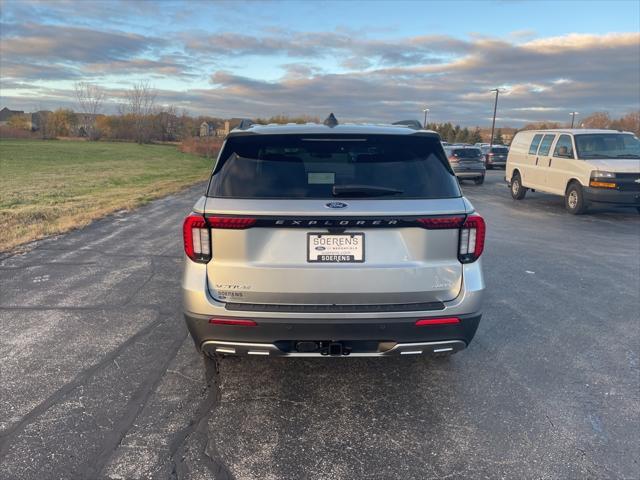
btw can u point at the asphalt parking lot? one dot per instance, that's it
(100, 380)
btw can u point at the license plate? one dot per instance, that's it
(335, 247)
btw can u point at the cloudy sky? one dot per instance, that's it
(365, 61)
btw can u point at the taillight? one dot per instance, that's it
(471, 237)
(197, 238)
(471, 243)
(237, 223)
(436, 223)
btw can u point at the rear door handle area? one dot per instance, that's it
(536, 160)
(549, 164)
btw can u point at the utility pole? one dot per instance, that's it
(426, 117)
(573, 118)
(495, 108)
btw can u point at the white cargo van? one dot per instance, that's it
(582, 165)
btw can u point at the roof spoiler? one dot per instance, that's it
(415, 124)
(245, 124)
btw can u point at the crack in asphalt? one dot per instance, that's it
(95, 467)
(16, 429)
(198, 430)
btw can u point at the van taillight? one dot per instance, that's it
(471, 243)
(197, 238)
(471, 237)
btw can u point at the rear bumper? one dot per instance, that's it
(361, 337)
(369, 328)
(266, 349)
(601, 195)
(469, 172)
(497, 163)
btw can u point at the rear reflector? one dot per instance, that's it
(233, 321)
(196, 238)
(237, 223)
(437, 321)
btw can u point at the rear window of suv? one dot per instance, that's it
(330, 166)
(467, 152)
(500, 150)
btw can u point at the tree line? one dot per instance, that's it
(627, 123)
(456, 134)
(140, 119)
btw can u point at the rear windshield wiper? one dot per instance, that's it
(363, 191)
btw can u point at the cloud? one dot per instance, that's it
(357, 76)
(71, 44)
(315, 45)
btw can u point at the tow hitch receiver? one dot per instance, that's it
(335, 349)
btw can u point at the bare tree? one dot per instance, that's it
(90, 99)
(139, 106)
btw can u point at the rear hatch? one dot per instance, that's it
(334, 220)
(499, 154)
(466, 157)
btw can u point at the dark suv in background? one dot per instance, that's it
(467, 162)
(496, 156)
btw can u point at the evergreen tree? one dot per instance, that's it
(475, 136)
(463, 136)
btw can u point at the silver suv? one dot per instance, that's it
(332, 240)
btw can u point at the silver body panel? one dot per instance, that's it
(198, 302)
(269, 265)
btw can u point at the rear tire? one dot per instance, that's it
(574, 200)
(479, 180)
(517, 190)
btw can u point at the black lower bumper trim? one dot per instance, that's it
(287, 332)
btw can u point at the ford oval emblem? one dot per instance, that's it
(320, 248)
(336, 205)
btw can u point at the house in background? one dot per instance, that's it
(228, 126)
(6, 114)
(39, 119)
(207, 129)
(222, 132)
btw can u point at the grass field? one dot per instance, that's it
(49, 187)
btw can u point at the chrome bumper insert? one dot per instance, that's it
(268, 349)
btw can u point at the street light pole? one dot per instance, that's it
(495, 108)
(426, 117)
(573, 118)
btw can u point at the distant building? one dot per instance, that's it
(507, 137)
(224, 131)
(6, 114)
(39, 119)
(207, 129)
